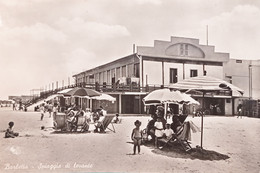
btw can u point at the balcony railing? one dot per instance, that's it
(99, 87)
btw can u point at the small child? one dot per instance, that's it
(168, 131)
(137, 136)
(9, 132)
(117, 119)
(158, 125)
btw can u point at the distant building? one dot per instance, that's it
(23, 98)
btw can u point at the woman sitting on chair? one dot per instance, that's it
(182, 130)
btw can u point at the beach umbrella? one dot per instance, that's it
(205, 84)
(81, 92)
(104, 96)
(162, 96)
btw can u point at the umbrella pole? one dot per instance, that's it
(201, 138)
(165, 110)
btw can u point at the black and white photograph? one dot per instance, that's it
(129, 86)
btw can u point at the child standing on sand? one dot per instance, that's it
(137, 136)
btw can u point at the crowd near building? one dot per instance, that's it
(130, 78)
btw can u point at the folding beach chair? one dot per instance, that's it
(177, 137)
(82, 122)
(106, 121)
(60, 121)
(181, 136)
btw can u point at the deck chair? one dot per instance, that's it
(83, 124)
(60, 121)
(180, 137)
(106, 121)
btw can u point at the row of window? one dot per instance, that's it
(111, 76)
(174, 74)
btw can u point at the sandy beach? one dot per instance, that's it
(37, 150)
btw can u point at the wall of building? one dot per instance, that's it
(152, 72)
(172, 49)
(167, 67)
(189, 67)
(161, 76)
(237, 71)
(214, 71)
(255, 79)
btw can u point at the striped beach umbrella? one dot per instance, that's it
(205, 84)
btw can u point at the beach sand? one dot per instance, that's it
(37, 150)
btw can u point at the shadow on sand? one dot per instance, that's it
(196, 153)
(78, 132)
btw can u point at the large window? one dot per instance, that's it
(130, 70)
(117, 73)
(108, 77)
(123, 71)
(193, 73)
(113, 76)
(100, 78)
(173, 75)
(136, 70)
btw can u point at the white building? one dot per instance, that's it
(130, 78)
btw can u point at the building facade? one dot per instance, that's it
(130, 78)
(245, 75)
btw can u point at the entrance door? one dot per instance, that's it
(127, 104)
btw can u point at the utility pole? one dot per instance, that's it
(250, 81)
(207, 36)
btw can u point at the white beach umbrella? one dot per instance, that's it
(104, 96)
(167, 96)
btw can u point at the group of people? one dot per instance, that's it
(51, 109)
(74, 113)
(20, 106)
(158, 128)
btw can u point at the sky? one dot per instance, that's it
(45, 41)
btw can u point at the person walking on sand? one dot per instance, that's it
(14, 106)
(42, 110)
(137, 136)
(49, 108)
(239, 110)
(55, 111)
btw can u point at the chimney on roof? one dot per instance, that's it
(133, 48)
